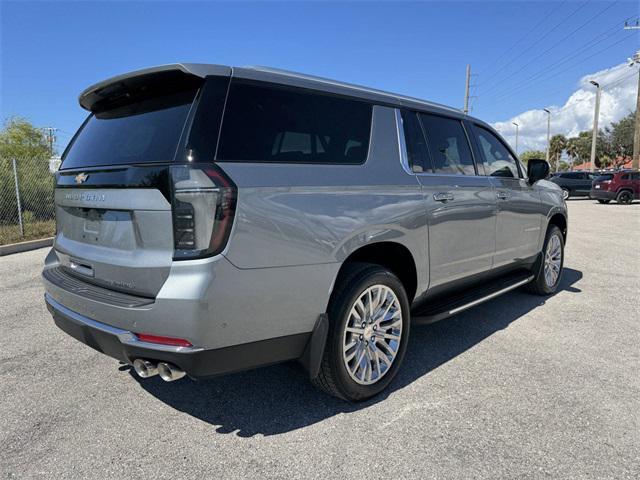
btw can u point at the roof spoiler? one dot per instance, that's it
(122, 86)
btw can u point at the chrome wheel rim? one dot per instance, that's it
(372, 335)
(552, 261)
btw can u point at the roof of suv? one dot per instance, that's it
(92, 94)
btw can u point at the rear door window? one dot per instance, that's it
(498, 159)
(417, 152)
(448, 145)
(264, 123)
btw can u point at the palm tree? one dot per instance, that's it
(572, 151)
(556, 146)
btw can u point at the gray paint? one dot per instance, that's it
(295, 225)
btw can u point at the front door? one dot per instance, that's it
(519, 218)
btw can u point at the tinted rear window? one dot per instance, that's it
(142, 132)
(602, 178)
(274, 124)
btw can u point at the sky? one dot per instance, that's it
(524, 55)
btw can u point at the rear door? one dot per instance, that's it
(519, 217)
(461, 205)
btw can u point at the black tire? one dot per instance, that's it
(625, 197)
(603, 201)
(539, 285)
(334, 378)
(566, 193)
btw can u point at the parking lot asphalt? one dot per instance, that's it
(521, 386)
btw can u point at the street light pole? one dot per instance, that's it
(594, 138)
(516, 136)
(548, 132)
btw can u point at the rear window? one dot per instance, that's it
(142, 132)
(279, 125)
(450, 151)
(603, 177)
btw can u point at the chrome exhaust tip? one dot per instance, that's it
(169, 372)
(145, 368)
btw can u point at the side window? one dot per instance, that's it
(635, 176)
(625, 177)
(263, 123)
(448, 145)
(499, 161)
(417, 152)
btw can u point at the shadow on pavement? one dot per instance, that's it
(278, 399)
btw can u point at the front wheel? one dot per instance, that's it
(368, 333)
(548, 269)
(625, 197)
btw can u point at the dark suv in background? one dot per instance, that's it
(574, 184)
(623, 187)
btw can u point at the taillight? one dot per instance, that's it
(204, 204)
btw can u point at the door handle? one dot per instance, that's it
(503, 195)
(443, 197)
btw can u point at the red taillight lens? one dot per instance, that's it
(204, 204)
(177, 342)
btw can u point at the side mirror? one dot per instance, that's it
(537, 169)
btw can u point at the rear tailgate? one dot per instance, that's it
(116, 238)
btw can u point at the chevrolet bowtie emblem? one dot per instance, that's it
(81, 178)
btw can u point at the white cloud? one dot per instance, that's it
(618, 98)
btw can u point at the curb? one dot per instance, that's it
(25, 246)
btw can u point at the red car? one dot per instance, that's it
(622, 186)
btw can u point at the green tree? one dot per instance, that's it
(24, 143)
(20, 139)
(529, 154)
(619, 136)
(556, 147)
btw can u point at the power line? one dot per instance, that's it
(562, 61)
(574, 31)
(539, 40)
(529, 32)
(517, 89)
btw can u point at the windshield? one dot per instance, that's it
(142, 132)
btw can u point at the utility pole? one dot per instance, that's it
(548, 131)
(466, 90)
(516, 136)
(635, 164)
(594, 138)
(51, 138)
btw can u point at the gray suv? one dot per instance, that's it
(214, 219)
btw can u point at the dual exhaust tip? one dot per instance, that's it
(167, 371)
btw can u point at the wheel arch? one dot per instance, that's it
(392, 255)
(559, 220)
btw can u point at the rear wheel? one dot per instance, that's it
(603, 201)
(548, 269)
(625, 197)
(368, 333)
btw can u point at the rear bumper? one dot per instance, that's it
(598, 194)
(197, 362)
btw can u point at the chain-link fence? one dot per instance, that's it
(26, 199)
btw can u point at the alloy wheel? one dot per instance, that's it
(372, 335)
(552, 261)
